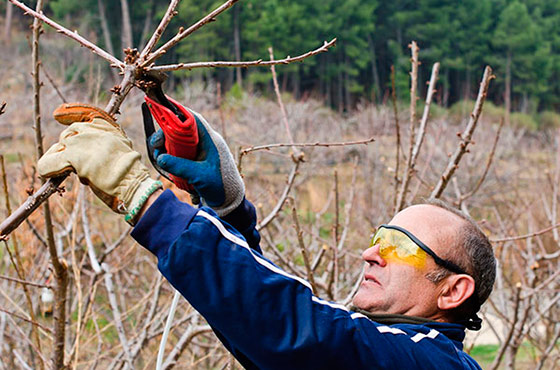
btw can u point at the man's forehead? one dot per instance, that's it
(431, 224)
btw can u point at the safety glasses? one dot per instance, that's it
(399, 245)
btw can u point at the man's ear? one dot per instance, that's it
(455, 290)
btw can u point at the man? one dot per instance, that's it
(426, 274)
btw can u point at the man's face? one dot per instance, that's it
(399, 288)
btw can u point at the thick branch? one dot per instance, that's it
(259, 62)
(51, 186)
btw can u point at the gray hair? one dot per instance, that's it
(473, 252)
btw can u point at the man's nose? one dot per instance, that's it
(372, 256)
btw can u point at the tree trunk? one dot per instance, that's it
(445, 98)
(507, 93)
(525, 102)
(126, 32)
(147, 25)
(347, 94)
(8, 25)
(237, 44)
(296, 83)
(340, 92)
(467, 93)
(106, 35)
(374, 71)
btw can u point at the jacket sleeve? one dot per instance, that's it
(266, 317)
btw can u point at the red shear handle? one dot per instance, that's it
(181, 137)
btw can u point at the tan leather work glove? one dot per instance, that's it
(99, 152)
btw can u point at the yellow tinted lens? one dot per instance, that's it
(394, 246)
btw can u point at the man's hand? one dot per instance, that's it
(102, 157)
(213, 174)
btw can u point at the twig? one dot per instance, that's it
(398, 135)
(507, 340)
(422, 129)
(73, 35)
(184, 33)
(411, 130)
(108, 278)
(182, 343)
(348, 206)
(303, 248)
(465, 136)
(280, 145)
(354, 289)
(2, 107)
(264, 223)
(28, 340)
(552, 344)
(333, 273)
(520, 237)
(488, 164)
(25, 282)
(54, 85)
(253, 63)
(280, 103)
(31, 321)
(169, 14)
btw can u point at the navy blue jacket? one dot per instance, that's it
(270, 319)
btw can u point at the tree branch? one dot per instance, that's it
(280, 145)
(169, 14)
(407, 174)
(465, 136)
(73, 35)
(254, 63)
(184, 33)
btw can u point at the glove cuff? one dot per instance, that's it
(226, 209)
(141, 195)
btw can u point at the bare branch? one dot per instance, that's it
(54, 85)
(303, 248)
(526, 236)
(184, 33)
(264, 223)
(254, 63)
(411, 130)
(32, 322)
(507, 341)
(398, 135)
(38, 285)
(424, 120)
(169, 14)
(280, 145)
(73, 35)
(488, 164)
(465, 136)
(280, 103)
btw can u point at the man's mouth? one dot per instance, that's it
(371, 278)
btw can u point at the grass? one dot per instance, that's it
(526, 357)
(484, 354)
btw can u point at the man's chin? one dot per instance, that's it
(363, 303)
